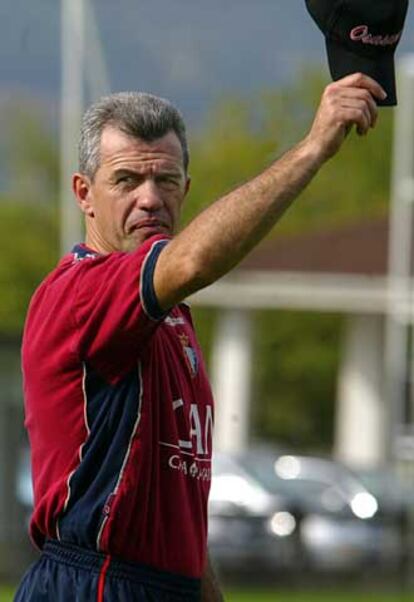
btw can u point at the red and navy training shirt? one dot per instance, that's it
(119, 413)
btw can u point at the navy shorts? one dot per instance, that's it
(67, 573)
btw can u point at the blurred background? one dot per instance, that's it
(308, 342)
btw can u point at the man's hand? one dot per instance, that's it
(347, 102)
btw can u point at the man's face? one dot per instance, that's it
(138, 191)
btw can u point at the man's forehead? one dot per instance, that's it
(116, 143)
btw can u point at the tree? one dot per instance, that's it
(297, 355)
(240, 138)
(28, 209)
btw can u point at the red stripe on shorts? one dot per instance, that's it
(101, 582)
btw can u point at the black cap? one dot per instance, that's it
(362, 36)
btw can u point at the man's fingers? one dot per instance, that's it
(359, 80)
(365, 97)
(356, 112)
(341, 97)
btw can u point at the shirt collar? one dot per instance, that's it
(81, 251)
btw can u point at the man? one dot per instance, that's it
(118, 407)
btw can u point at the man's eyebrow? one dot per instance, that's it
(125, 170)
(169, 172)
(173, 172)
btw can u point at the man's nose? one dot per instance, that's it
(148, 196)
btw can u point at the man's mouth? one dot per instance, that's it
(148, 224)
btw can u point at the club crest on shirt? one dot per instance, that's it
(189, 354)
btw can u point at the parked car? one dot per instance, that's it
(24, 487)
(250, 529)
(395, 495)
(342, 526)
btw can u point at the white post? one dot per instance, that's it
(360, 413)
(97, 76)
(399, 315)
(231, 376)
(72, 49)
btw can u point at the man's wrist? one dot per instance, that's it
(312, 152)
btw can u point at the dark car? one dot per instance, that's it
(395, 495)
(342, 526)
(250, 529)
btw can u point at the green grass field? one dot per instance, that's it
(315, 597)
(6, 595)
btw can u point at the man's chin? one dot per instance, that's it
(140, 235)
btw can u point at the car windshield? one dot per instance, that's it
(386, 484)
(264, 470)
(231, 483)
(315, 481)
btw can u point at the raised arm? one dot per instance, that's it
(219, 237)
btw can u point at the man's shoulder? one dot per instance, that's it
(71, 264)
(64, 269)
(84, 264)
(61, 279)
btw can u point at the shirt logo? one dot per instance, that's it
(192, 450)
(174, 321)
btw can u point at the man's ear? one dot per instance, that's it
(81, 186)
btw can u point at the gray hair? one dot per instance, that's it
(136, 114)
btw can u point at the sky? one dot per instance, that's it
(190, 51)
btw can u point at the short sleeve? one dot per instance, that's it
(115, 309)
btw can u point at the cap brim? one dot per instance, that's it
(343, 62)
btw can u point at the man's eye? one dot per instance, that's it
(127, 179)
(168, 180)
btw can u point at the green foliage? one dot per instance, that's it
(28, 249)
(224, 154)
(241, 137)
(30, 153)
(295, 377)
(205, 322)
(28, 213)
